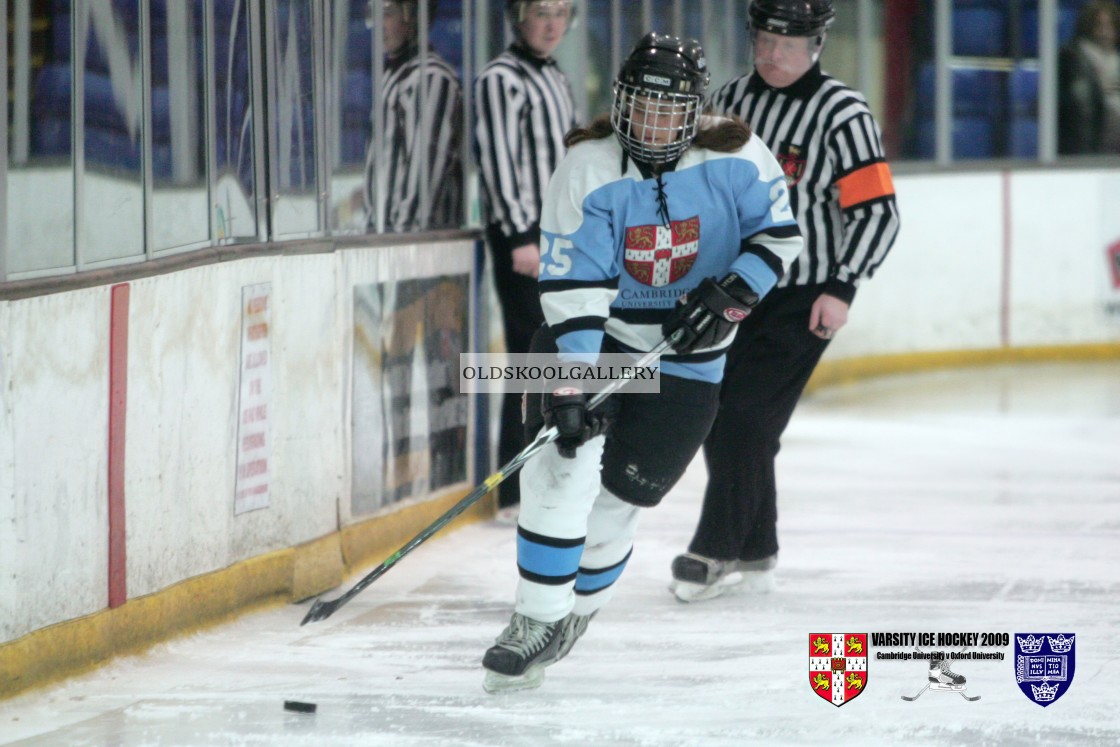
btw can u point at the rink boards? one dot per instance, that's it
(211, 517)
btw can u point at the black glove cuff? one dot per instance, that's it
(739, 289)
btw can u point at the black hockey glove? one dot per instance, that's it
(566, 408)
(706, 316)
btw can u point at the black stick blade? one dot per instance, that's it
(319, 611)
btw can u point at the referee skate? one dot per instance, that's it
(696, 578)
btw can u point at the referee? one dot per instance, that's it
(524, 107)
(829, 147)
(420, 185)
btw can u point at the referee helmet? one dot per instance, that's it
(792, 17)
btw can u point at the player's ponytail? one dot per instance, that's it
(597, 130)
(725, 135)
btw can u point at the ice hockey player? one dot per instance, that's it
(658, 222)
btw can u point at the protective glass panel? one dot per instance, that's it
(411, 141)
(632, 27)
(603, 58)
(178, 77)
(721, 26)
(295, 209)
(112, 191)
(416, 179)
(40, 230)
(349, 111)
(234, 202)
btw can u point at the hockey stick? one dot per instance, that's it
(322, 609)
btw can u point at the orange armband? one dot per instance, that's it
(865, 184)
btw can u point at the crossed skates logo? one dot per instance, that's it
(838, 665)
(1044, 665)
(941, 677)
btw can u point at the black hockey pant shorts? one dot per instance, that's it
(652, 437)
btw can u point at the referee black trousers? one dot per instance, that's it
(768, 365)
(521, 317)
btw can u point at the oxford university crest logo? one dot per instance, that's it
(838, 665)
(1044, 664)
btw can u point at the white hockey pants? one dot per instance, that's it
(574, 536)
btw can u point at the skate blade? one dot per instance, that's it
(494, 682)
(737, 582)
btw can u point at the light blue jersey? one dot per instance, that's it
(618, 250)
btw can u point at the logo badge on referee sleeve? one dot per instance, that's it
(838, 665)
(1044, 665)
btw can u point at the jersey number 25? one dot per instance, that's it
(558, 262)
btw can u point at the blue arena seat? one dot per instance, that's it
(1067, 20)
(979, 29)
(51, 95)
(357, 98)
(1022, 133)
(972, 137)
(1023, 138)
(974, 91)
(1023, 91)
(111, 150)
(50, 138)
(359, 45)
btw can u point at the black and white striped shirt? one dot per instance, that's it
(830, 148)
(408, 120)
(523, 108)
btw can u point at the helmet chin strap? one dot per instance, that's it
(818, 48)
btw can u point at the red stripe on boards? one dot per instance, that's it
(118, 401)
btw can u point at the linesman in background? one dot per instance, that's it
(830, 149)
(524, 107)
(422, 108)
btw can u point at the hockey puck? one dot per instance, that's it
(299, 706)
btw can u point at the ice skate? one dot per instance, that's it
(942, 679)
(518, 658)
(696, 578)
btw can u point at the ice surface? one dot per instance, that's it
(980, 500)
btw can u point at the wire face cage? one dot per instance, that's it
(654, 126)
